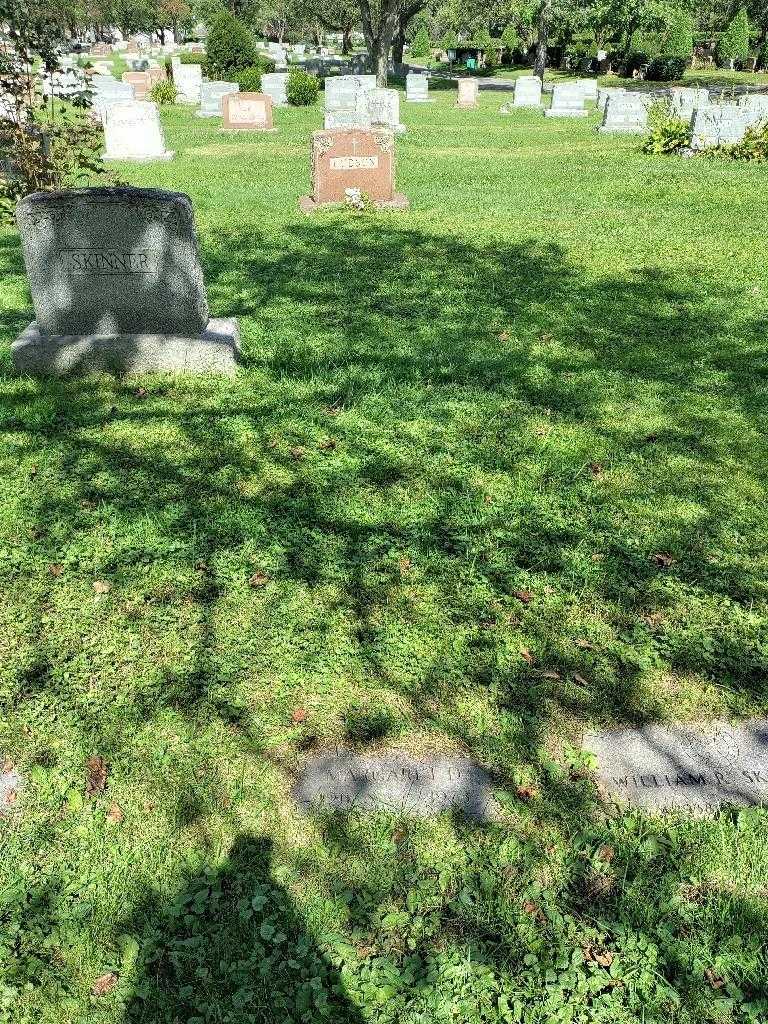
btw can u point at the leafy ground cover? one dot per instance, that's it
(493, 471)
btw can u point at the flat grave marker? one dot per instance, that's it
(697, 768)
(397, 782)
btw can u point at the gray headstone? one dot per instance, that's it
(604, 92)
(133, 131)
(188, 78)
(275, 85)
(688, 767)
(567, 101)
(685, 100)
(395, 781)
(625, 114)
(113, 261)
(417, 88)
(383, 106)
(211, 94)
(527, 91)
(722, 124)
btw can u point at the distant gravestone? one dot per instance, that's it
(116, 284)
(188, 79)
(140, 82)
(247, 111)
(588, 88)
(276, 86)
(384, 109)
(398, 783)
(353, 159)
(604, 92)
(132, 131)
(684, 101)
(527, 91)
(211, 96)
(567, 101)
(625, 114)
(107, 92)
(684, 767)
(417, 88)
(346, 105)
(101, 50)
(468, 92)
(723, 124)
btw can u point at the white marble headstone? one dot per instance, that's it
(133, 131)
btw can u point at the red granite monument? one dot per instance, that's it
(353, 162)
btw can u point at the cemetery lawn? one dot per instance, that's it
(493, 472)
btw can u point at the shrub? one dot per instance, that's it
(668, 133)
(754, 146)
(679, 41)
(190, 58)
(666, 68)
(510, 42)
(302, 88)
(734, 42)
(249, 79)
(762, 59)
(163, 93)
(636, 60)
(421, 45)
(230, 47)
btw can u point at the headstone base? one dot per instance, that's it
(167, 155)
(566, 113)
(216, 350)
(398, 202)
(407, 100)
(248, 128)
(630, 130)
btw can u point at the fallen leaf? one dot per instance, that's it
(405, 565)
(653, 619)
(332, 410)
(328, 445)
(596, 469)
(527, 792)
(526, 596)
(298, 452)
(399, 835)
(298, 715)
(597, 557)
(504, 336)
(526, 655)
(140, 393)
(662, 559)
(115, 815)
(606, 852)
(11, 795)
(55, 570)
(488, 499)
(96, 777)
(104, 985)
(546, 338)
(603, 957)
(530, 908)
(7, 767)
(714, 980)
(259, 579)
(102, 587)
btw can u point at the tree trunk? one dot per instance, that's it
(542, 38)
(398, 45)
(346, 40)
(378, 35)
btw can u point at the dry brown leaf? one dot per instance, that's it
(96, 777)
(527, 792)
(504, 336)
(259, 579)
(298, 715)
(332, 410)
(104, 985)
(714, 980)
(603, 957)
(530, 908)
(525, 596)
(102, 587)
(298, 452)
(526, 655)
(55, 570)
(140, 393)
(606, 852)
(663, 560)
(405, 565)
(114, 815)
(596, 469)
(585, 645)
(399, 835)
(11, 796)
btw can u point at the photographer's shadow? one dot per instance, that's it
(231, 947)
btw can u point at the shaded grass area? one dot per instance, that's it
(546, 375)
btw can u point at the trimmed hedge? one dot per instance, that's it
(302, 88)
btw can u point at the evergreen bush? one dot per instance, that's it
(230, 47)
(302, 88)
(734, 42)
(421, 46)
(679, 41)
(666, 68)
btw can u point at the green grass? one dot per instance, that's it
(550, 370)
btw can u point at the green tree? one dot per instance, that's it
(679, 38)
(450, 40)
(734, 42)
(230, 47)
(421, 45)
(510, 40)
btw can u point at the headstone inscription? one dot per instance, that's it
(211, 96)
(132, 131)
(357, 160)
(721, 124)
(276, 85)
(468, 92)
(625, 114)
(527, 91)
(567, 101)
(188, 79)
(697, 767)
(396, 782)
(417, 88)
(140, 82)
(384, 109)
(116, 284)
(247, 111)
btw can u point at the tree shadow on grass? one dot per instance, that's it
(230, 946)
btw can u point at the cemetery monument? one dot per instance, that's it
(349, 162)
